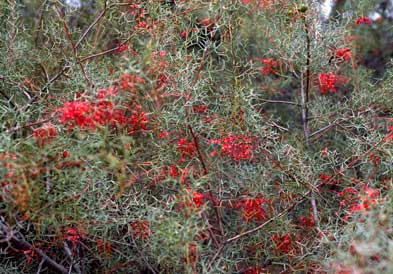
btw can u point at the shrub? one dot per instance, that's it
(194, 137)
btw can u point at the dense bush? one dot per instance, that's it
(239, 136)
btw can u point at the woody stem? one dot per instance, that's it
(304, 93)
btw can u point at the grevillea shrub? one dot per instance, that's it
(195, 137)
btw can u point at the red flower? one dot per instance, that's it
(130, 82)
(270, 66)
(186, 149)
(344, 53)
(163, 134)
(327, 82)
(140, 229)
(284, 243)
(31, 255)
(237, 147)
(183, 34)
(306, 222)
(66, 154)
(324, 152)
(363, 20)
(76, 113)
(358, 201)
(44, 134)
(252, 208)
(73, 236)
(198, 199)
(173, 172)
(137, 121)
(199, 109)
(121, 48)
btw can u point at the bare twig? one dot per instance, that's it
(74, 49)
(280, 102)
(97, 19)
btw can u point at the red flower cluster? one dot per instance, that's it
(186, 149)
(363, 20)
(199, 109)
(344, 53)
(137, 121)
(284, 244)
(44, 134)
(121, 48)
(252, 208)
(90, 115)
(198, 199)
(306, 221)
(237, 147)
(358, 201)
(270, 66)
(130, 82)
(327, 82)
(139, 13)
(173, 172)
(72, 235)
(140, 229)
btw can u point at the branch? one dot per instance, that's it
(11, 235)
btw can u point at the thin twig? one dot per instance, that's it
(280, 102)
(97, 19)
(74, 49)
(40, 266)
